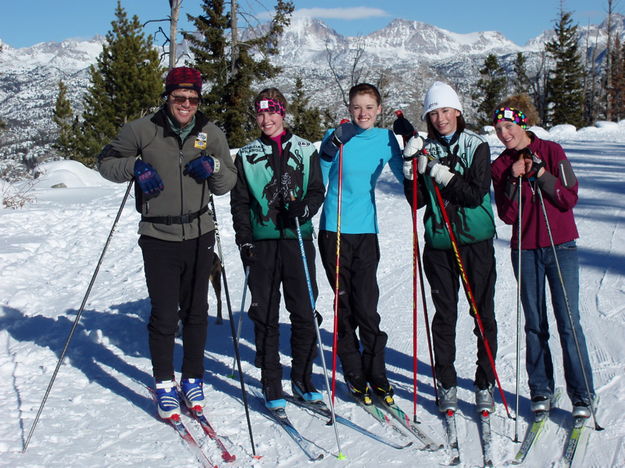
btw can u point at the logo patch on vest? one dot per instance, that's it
(200, 141)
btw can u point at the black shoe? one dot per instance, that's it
(385, 394)
(305, 390)
(272, 391)
(540, 403)
(359, 389)
(581, 409)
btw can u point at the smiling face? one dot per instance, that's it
(180, 106)
(364, 109)
(270, 123)
(512, 135)
(444, 120)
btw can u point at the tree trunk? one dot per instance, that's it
(173, 27)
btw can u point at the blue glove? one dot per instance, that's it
(201, 168)
(340, 136)
(147, 179)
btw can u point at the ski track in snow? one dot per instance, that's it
(100, 413)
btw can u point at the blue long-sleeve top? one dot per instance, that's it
(364, 157)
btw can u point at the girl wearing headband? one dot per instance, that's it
(531, 164)
(279, 180)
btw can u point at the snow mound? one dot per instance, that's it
(70, 174)
(563, 131)
(607, 124)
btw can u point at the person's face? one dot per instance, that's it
(511, 135)
(180, 106)
(364, 110)
(444, 120)
(270, 123)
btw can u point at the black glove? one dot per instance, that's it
(537, 165)
(298, 209)
(343, 133)
(402, 126)
(248, 255)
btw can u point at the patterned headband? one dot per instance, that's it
(270, 105)
(510, 114)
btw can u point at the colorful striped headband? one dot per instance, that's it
(510, 114)
(270, 105)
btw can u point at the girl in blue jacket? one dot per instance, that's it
(366, 150)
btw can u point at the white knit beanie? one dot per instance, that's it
(440, 95)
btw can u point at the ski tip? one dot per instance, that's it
(257, 457)
(341, 456)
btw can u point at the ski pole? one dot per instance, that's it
(241, 313)
(426, 319)
(403, 127)
(568, 308)
(337, 270)
(518, 312)
(415, 279)
(469, 292)
(77, 319)
(232, 330)
(311, 295)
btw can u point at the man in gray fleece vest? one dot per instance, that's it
(177, 159)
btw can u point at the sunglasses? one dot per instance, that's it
(194, 101)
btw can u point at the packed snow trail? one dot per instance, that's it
(99, 413)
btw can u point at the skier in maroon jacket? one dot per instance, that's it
(532, 165)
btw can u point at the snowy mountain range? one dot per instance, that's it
(407, 55)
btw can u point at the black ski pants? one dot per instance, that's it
(280, 262)
(443, 274)
(176, 274)
(358, 302)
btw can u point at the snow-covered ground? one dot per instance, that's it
(100, 412)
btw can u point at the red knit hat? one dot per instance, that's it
(183, 78)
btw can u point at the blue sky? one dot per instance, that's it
(27, 22)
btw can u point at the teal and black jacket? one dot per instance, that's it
(467, 196)
(266, 179)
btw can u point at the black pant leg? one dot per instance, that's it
(479, 260)
(198, 255)
(264, 311)
(347, 341)
(364, 295)
(163, 267)
(442, 275)
(297, 302)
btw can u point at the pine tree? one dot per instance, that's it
(231, 65)
(521, 82)
(306, 120)
(564, 85)
(491, 88)
(616, 93)
(63, 117)
(126, 83)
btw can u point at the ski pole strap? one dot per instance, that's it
(168, 220)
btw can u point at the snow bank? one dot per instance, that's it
(70, 174)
